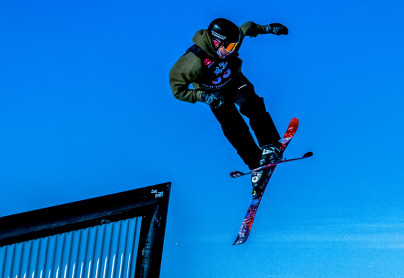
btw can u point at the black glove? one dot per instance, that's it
(214, 100)
(276, 28)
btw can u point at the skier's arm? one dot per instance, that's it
(252, 29)
(182, 74)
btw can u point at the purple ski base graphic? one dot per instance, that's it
(252, 209)
(250, 216)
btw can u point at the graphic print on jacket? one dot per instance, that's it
(216, 72)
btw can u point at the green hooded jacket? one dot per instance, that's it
(189, 67)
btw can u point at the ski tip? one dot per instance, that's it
(308, 154)
(294, 121)
(290, 132)
(236, 174)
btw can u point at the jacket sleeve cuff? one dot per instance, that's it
(198, 95)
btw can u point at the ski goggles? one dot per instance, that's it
(229, 47)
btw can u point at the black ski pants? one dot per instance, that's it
(242, 93)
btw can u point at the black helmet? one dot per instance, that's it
(224, 31)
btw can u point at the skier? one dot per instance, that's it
(213, 69)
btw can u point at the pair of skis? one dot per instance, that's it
(236, 174)
(252, 209)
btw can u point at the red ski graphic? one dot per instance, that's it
(252, 210)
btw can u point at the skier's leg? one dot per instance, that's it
(253, 107)
(237, 132)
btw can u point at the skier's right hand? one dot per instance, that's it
(214, 100)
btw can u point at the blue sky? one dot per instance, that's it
(86, 110)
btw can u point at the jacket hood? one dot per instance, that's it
(202, 39)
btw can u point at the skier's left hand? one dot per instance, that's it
(214, 100)
(276, 29)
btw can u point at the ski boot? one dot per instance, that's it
(270, 154)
